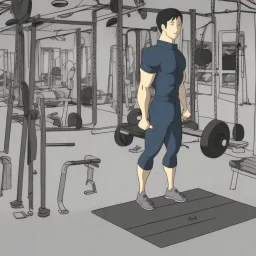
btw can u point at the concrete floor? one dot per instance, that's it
(80, 232)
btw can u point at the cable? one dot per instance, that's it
(235, 1)
(251, 1)
(85, 9)
(79, 3)
(90, 6)
(205, 25)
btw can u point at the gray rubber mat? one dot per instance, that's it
(171, 223)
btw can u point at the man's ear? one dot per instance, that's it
(163, 27)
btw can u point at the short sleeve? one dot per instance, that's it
(183, 62)
(150, 61)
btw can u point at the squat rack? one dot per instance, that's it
(193, 14)
(120, 62)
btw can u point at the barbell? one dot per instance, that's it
(214, 138)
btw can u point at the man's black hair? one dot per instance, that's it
(165, 15)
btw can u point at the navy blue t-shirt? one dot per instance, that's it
(168, 63)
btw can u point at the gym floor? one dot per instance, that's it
(82, 232)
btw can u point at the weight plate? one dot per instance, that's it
(215, 139)
(203, 57)
(111, 22)
(143, 13)
(21, 9)
(114, 6)
(122, 139)
(238, 132)
(134, 116)
(75, 120)
(56, 71)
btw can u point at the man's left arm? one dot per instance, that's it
(182, 93)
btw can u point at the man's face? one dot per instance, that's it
(172, 28)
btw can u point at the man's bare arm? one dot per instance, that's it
(183, 94)
(146, 80)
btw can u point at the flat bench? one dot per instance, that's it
(244, 166)
(89, 161)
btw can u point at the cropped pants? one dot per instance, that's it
(165, 117)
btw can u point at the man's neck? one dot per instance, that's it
(167, 39)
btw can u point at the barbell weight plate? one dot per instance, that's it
(122, 139)
(213, 137)
(21, 9)
(238, 132)
(114, 6)
(206, 56)
(56, 71)
(198, 60)
(134, 116)
(75, 120)
(203, 57)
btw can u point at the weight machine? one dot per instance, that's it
(49, 69)
(131, 66)
(227, 67)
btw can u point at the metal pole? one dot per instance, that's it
(31, 104)
(21, 64)
(254, 135)
(138, 56)
(94, 67)
(14, 82)
(18, 203)
(238, 20)
(42, 153)
(79, 70)
(192, 63)
(214, 59)
(120, 62)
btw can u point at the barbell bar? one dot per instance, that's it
(214, 138)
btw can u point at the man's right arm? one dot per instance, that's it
(144, 96)
(149, 67)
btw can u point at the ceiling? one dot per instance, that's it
(77, 7)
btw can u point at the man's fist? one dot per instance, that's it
(185, 115)
(144, 124)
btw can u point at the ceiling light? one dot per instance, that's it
(59, 3)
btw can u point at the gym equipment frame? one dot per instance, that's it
(89, 161)
(78, 66)
(51, 64)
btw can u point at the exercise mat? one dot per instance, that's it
(171, 223)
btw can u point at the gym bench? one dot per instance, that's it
(5, 174)
(88, 161)
(244, 166)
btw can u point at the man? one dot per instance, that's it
(163, 67)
